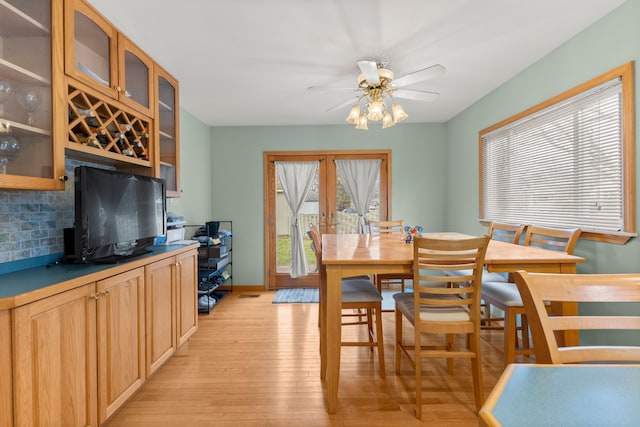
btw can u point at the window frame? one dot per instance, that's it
(626, 73)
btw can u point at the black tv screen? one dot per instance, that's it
(117, 215)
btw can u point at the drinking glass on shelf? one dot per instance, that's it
(9, 147)
(29, 101)
(6, 90)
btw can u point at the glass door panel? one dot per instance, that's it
(93, 53)
(136, 78)
(92, 50)
(167, 131)
(309, 214)
(346, 221)
(135, 82)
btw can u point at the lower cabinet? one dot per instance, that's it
(121, 352)
(187, 291)
(171, 306)
(160, 303)
(54, 360)
(72, 359)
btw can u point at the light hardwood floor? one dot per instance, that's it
(254, 363)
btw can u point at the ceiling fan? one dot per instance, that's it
(377, 87)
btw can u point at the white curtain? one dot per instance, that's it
(296, 179)
(360, 178)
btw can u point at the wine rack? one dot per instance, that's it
(103, 126)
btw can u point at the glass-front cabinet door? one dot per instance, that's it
(91, 48)
(135, 86)
(167, 131)
(104, 59)
(31, 96)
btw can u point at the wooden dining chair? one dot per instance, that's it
(506, 297)
(396, 228)
(505, 232)
(537, 289)
(434, 307)
(359, 295)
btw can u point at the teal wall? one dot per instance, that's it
(418, 184)
(195, 202)
(609, 43)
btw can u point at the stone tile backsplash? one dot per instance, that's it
(32, 222)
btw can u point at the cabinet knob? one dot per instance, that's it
(95, 296)
(118, 89)
(63, 178)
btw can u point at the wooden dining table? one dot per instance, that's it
(564, 395)
(345, 255)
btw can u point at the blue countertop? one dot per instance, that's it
(569, 395)
(32, 279)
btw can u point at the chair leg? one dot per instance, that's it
(476, 367)
(418, 369)
(370, 327)
(380, 341)
(510, 330)
(525, 332)
(398, 338)
(450, 347)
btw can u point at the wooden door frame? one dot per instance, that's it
(269, 158)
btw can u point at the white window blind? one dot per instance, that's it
(561, 166)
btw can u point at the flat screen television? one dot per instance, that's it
(117, 215)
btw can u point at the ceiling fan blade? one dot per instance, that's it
(321, 88)
(416, 95)
(419, 76)
(349, 102)
(370, 71)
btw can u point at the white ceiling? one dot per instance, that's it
(250, 62)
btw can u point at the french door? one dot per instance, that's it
(327, 205)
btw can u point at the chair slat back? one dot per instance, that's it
(538, 288)
(387, 227)
(505, 232)
(432, 257)
(557, 239)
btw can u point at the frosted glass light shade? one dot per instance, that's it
(398, 113)
(354, 114)
(375, 111)
(362, 122)
(387, 120)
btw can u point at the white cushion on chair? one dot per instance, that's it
(487, 276)
(404, 303)
(359, 290)
(504, 292)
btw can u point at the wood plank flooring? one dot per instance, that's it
(254, 363)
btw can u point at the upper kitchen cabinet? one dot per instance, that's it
(167, 130)
(104, 59)
(31, 95)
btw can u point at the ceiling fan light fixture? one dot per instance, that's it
(377, 87)
(362, 122)
(398, 113)
(354, 114)
(387, 120)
